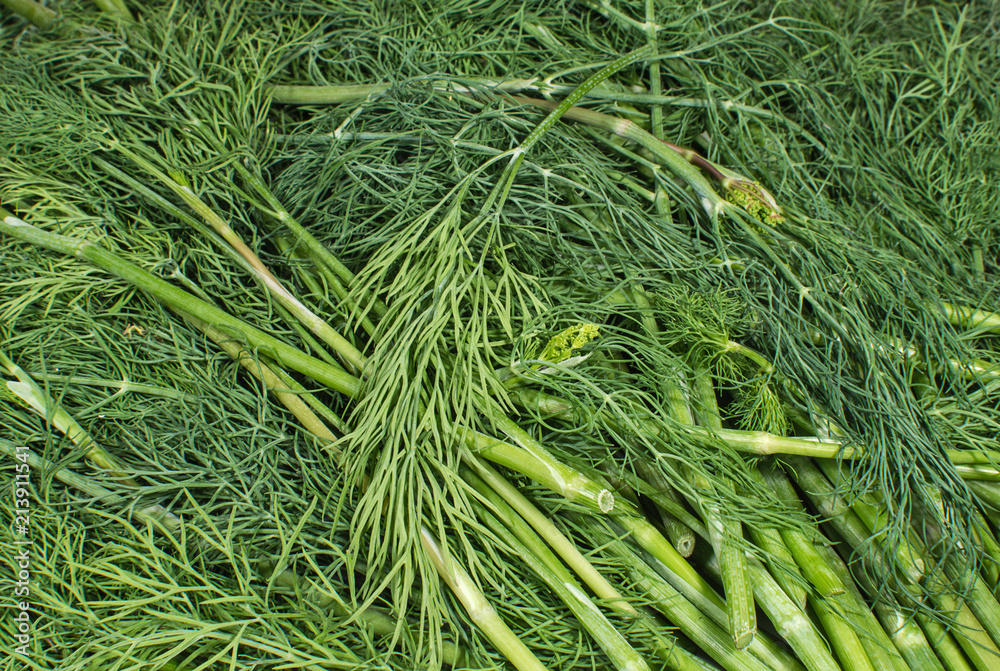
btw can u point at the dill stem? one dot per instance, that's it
(529, 458)
(897, 639)
(989, 493)
(513, 530)
(478, 608)
(725, 535)
(876, 517)
(325, 95)
(691, 583)
(314, 323)
(978, 645)
(832, 582)
(752, 442)
(498, 195)
(783, 563)
(321, 409)
(706, 633)
(940, 639)
(36, 13)
(31, 394)
(317, 251)
(175, 297)
(155, 515)
(271, 380)
(850, 528)
(842, 637)
(975, 593)
(555, 538)
(991, 549)
(907, 637)
(678, 164)
(845, 519)
(115, 7)
(670, 504)
(808, 558)
(680, 534)
(786, 616)
(970, 318)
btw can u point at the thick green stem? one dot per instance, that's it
(155, 515)
(29, 393)
(782, 561)
(678, 164)
(876, 517)
(709, 636)
(530, 459)
(513, 530)
(325, 95)
(791, 622)
(971, 318)
(479, 609)
(849, 525)
(941, 640)
(498, 195)
(725, 535)
(680, 534)
(174, 297)
(316, 250)
(807, 556)
(842, 637)
(38, 14)
(883, 652)
(313, 322)
(115, 7)
(759, 443)
(295, 403)
(555, 538)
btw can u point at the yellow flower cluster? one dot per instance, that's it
(562, 345)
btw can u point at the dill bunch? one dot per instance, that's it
(408, 335)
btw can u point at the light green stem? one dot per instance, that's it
(479, 609)
(875, 516)
(498, 196)
(325, 95)
(808, 557)
(115, 7)
(155, 515)
(971, 318)
(791, 622)
(715, 641)
(726, 535)
(848, 524)
(316, 250)
(29, 393)
(842, 636)
(681, 535)
(108, 261)
(759, 443)
(260, 370)
(529, 548)
(38, 14)
(883, 652)
(274, 286)
(555, 538)
(532, 460)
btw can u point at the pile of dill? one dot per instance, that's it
(545, 334)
